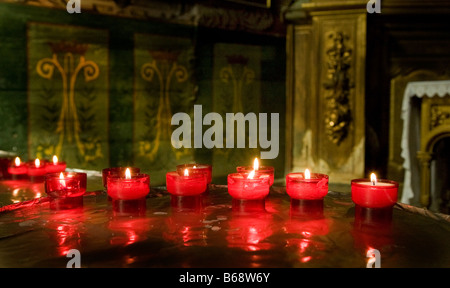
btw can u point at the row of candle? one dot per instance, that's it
(254, 182)
(34, 171)
(247, 183)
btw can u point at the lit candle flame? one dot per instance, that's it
(127, 174)
(17, 161)
(195, 167)
(61, 179)
(37, 163)
(251, 174)
(55, 160)
(256, 164)
(307, 174)
(373, 179)
(186, 172)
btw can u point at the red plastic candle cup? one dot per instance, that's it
(196, 168)
(18, 170)
(374, 193)
(302, 186)
(65, 189)
(186, 184)
(269, 170)
(128, 191)
(37, 170)
(55, 166)
(243, 186)
(117, 171)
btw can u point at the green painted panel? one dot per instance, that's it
(117, 112)
(164, 85)
(236, 88)
(68, 94)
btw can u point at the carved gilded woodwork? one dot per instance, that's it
(245, 17)
(440, 115)
(328, 90)
(337, 88)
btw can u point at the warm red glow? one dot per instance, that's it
(303, 245)
(306, 259)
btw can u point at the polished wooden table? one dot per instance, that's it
(214, 231)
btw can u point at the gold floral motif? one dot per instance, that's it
(68, 126)
(237, 73)
(165, 68)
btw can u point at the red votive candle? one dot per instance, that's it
(374, 193)
(186, 184)
(65, 189)
(18, 170)
(131, 187)
(37, 170)
(55, 166)
(196, 168)
(117, 171)
(269, 170)
(248, 186)
(307, 186)
(128, 192)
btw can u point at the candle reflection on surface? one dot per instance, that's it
(186, 228)
(185, 224)
(22, 190)
(306, 228)
(249, 233)
(67, 231)
(250, 225)
(126, 231)
(372, 228)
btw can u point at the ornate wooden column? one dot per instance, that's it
(326, 50)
